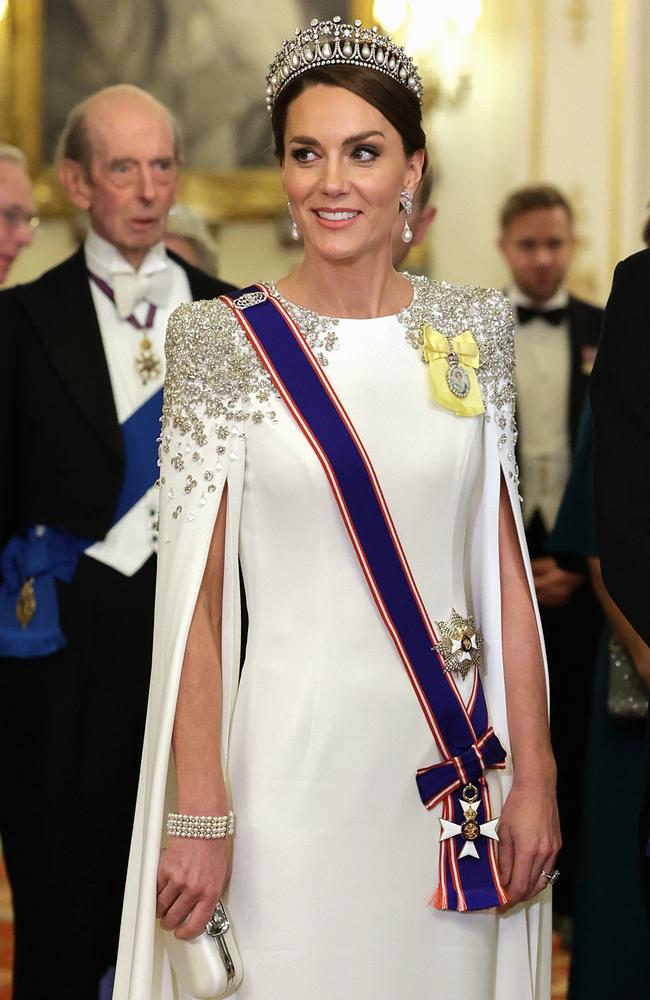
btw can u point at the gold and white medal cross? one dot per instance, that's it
(470, 828)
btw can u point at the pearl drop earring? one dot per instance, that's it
(406, 201)
(295, 235)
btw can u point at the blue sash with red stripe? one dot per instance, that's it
(466, 742)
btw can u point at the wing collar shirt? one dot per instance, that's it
(162, 282)
(543, 379)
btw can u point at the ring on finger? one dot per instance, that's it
(552, 877)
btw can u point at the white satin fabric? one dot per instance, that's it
(335, 856)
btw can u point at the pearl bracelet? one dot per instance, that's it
(201, 827)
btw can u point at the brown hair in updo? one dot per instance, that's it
(399, 105)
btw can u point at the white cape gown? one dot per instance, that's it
(335, 856)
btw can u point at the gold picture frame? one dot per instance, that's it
(250, 193)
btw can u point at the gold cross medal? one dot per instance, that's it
(470, 829)
(460, 644)
(146, 363)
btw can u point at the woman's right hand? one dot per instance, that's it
(192, 877)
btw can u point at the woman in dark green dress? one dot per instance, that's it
(609, 954)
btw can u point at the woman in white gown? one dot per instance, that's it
(335, 859)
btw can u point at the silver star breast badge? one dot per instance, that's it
(460, 644)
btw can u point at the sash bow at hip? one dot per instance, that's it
(437, 782)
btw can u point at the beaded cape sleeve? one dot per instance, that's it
(213, 387)
(487, 314)
(214, 384)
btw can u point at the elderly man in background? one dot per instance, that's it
(81, 371)
(17, 218)
(556, 336)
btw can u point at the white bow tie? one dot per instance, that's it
(131, 288)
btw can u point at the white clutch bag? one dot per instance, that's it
(210, 966)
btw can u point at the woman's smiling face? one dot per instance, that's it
(344, 168)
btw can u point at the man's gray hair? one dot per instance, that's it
(11, 154)
(75, 142)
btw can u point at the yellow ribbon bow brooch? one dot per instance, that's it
(452, 371)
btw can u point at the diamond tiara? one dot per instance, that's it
(334, 43)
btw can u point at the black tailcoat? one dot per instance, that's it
(59, 433)
(71, 723)
(620, 398)
(584, 322)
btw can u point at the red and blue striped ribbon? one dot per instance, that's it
(467, 744)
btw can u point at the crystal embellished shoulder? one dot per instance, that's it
(214, 374)
(485, 312)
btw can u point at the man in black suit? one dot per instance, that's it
(620, 398)
(555, 345)
(81, 368)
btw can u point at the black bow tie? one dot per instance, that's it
(552, 316)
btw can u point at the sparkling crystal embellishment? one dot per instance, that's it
(460, 644)
(249, 299)
(216, 384)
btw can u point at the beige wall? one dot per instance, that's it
(482, 151)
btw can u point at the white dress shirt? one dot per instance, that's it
(542, 375)
(131, 541)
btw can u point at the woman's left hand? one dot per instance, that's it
(529, 839)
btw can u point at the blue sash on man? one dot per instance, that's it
(30, 566)
(469, 880)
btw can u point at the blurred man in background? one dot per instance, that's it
(556, 337)
(17, 215)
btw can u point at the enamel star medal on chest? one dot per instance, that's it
(470, 829)
(460, 644)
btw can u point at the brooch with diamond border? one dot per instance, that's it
(460, 644)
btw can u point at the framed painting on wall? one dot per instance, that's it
(205, 59)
